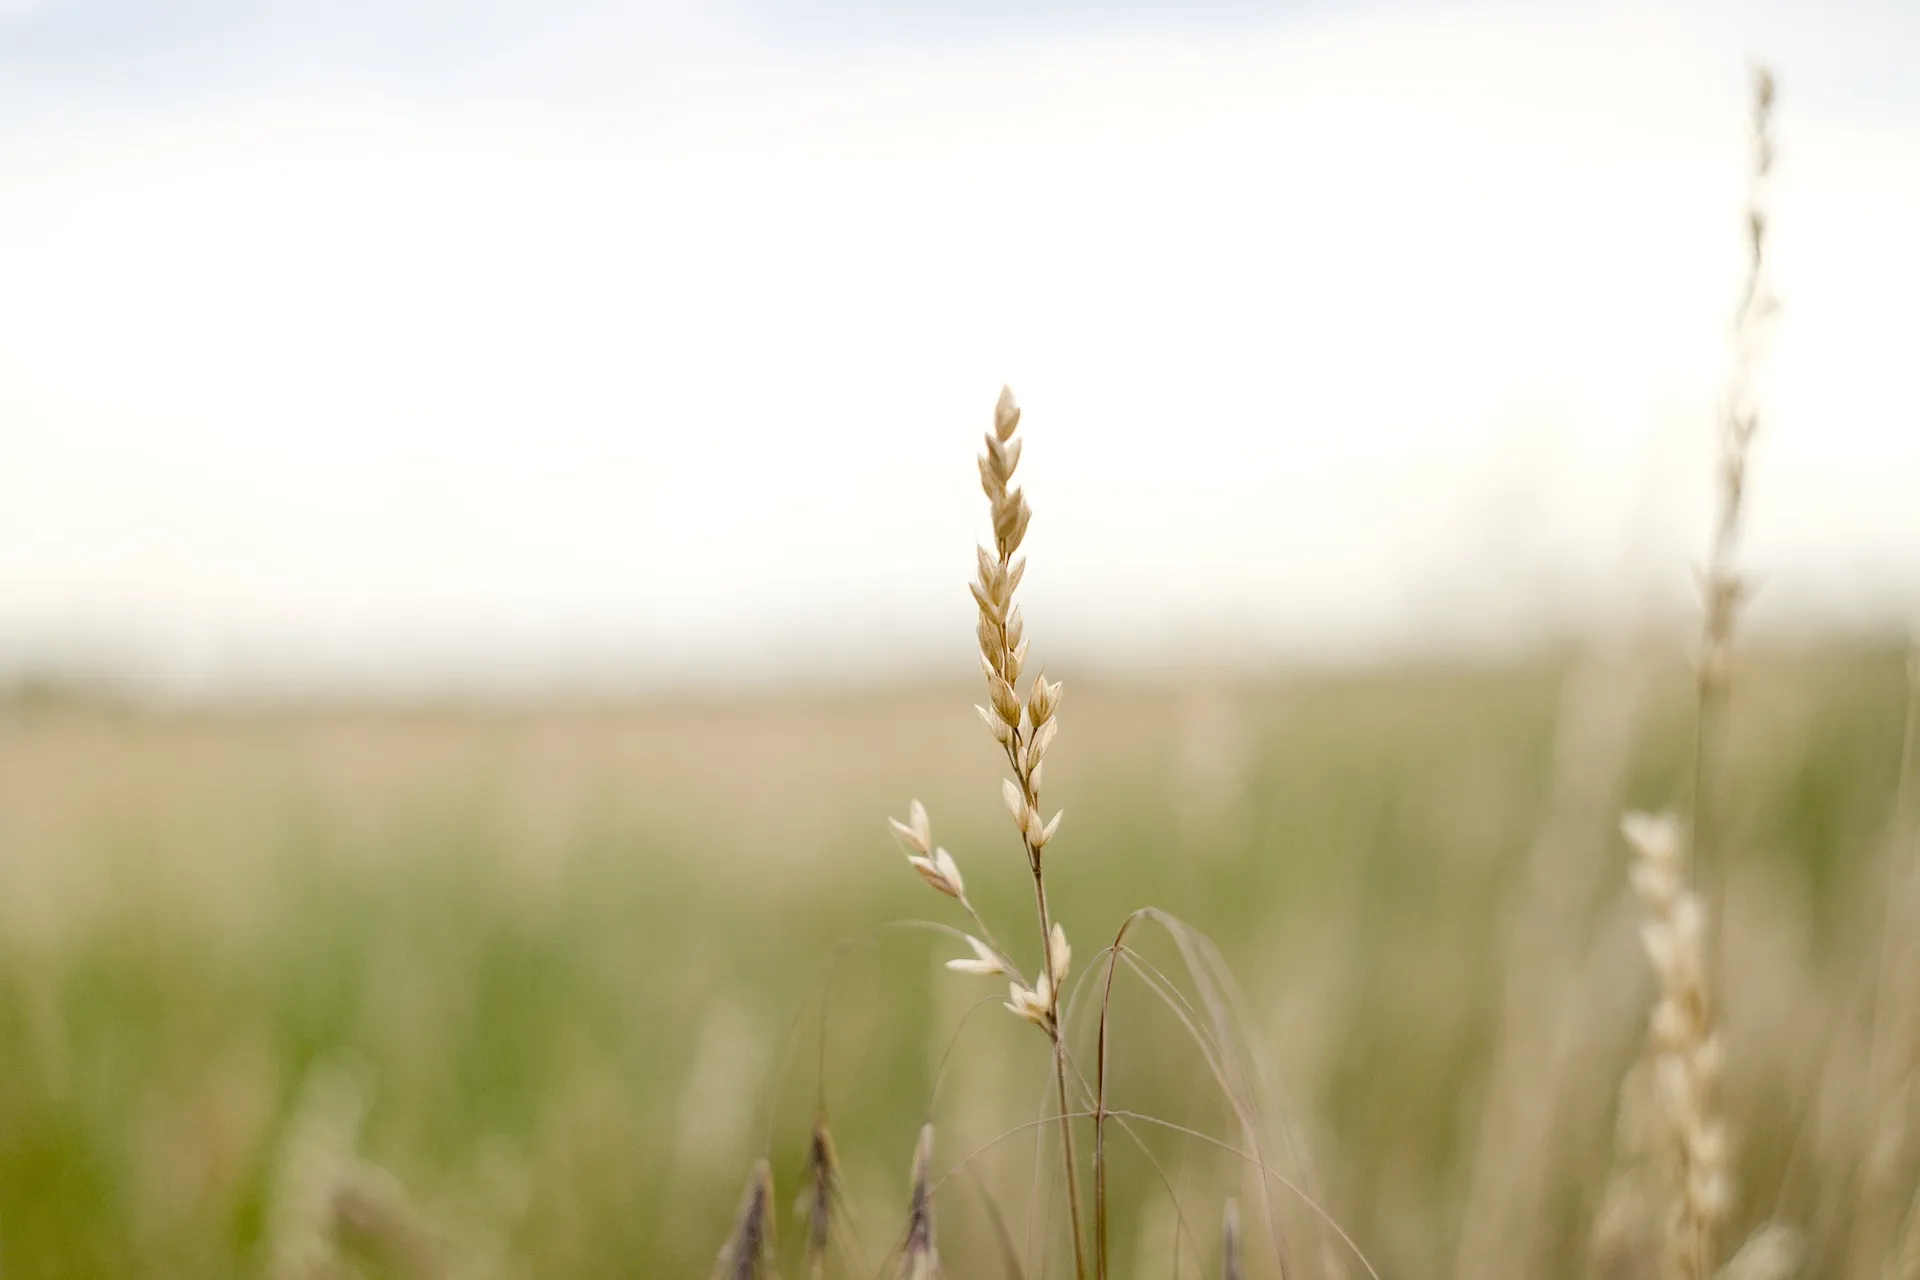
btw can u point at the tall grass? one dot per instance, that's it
(557, 974)
(521, 993)
(1671, 1111)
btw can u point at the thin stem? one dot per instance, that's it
(1906, 827)
(1058, 1037)
(1100, 1227)
(1016, 759)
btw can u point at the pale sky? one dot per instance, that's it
(516, 341)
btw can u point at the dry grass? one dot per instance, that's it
(821, 1203)
(749, 1251)
(919, 1258)
(1674, 1177)
(555, 1034)
(565, 944)
(1687, 1054)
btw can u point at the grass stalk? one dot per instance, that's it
(1722, 586)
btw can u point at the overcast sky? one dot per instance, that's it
(516, 340)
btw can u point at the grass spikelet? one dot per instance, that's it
(921, 1258)
(821, 1198)
(1685, 1048)
(1230, 1267)
(748, 1253)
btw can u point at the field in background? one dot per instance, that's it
(540, 965)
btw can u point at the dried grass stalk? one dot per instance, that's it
(1681, 885)
(1687, 1057)
(921, 1258)
(1025, 727)
(1723, 587)
(821, 1200)
(748, 1253)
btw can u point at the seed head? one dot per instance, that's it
(822, 1196)
(1035, 1003)
(1002, 731)
(916, 832)
(1655, 837)
(1041, 835)
(921, 1259)
(985, 961)
(1044, 702)
(941, 872)
(1016, 801)
(748, 1253)
(1006, 415)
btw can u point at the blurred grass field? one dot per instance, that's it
(556, 954)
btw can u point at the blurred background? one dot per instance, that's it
(485, 505)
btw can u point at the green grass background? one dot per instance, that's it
(564, 948)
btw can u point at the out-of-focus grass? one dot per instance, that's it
(563, 949)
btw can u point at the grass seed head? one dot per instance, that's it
(917, 831)
(1006, 415)
(1034, 1003)
(821, 1199)
(748, 1253)
(1059, 956)
(984, 962)
(941, 872)
(921, 1259)
(1687, 1057)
